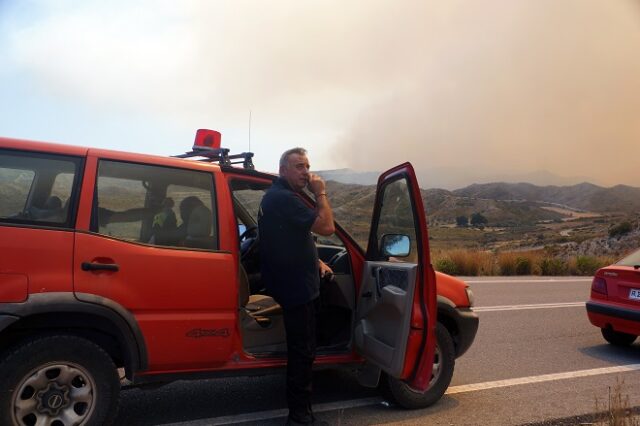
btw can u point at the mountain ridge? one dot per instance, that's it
(503, 204)
(583, 196)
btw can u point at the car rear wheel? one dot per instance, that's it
(443, 365)
(617, 338)
(58, 380)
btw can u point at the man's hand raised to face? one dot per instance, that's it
(324, 222)
(316, 184)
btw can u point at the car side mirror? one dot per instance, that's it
(395, 245)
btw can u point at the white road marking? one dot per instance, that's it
(524, 307)
(355, 403)
(542, 378)
(550, 280)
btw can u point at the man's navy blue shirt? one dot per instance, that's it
(288, 254)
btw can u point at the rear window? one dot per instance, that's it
(38, 189)
(632, 260)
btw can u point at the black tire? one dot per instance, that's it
(400, 393)
(617, 338)
(58, 377)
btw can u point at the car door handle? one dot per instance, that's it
(89, 266)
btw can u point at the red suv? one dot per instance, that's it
(614, 305)
(113, 261)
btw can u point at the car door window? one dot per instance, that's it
(15, 185)
(36, 189)
(250, 200)
(155, 205)
(397, 218)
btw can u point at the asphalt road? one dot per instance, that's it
(535, 358)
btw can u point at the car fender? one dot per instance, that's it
(129, 336)
(462, 323)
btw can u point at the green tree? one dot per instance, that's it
(477, 219)
(462, 221)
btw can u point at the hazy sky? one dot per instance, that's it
(466, 90)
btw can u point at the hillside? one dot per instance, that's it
(522, 216)
(442, 206)
(584, 196)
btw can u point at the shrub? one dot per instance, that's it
(516, 263)
(462, 221)
(553, 266)
(587, 265)
(523, 266)
(477, 219)
(447, 266)
(620, 229)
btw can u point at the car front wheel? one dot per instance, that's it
(443, 365)
(58, 380)
(617, 338)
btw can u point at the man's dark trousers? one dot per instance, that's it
(300, 324)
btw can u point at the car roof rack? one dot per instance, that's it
(221, 155)
(207, 146)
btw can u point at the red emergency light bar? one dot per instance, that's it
(207, 145)
(207, 139)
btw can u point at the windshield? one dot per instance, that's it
(632, 260)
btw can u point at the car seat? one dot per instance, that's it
(261, 319)
(51, 210)
(258, 305)
(199, 229)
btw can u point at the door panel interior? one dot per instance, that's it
(384, 312)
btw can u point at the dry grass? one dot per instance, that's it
(473, 262)
(519, 263)
(617, 410)
(465, 262)
(506, 263)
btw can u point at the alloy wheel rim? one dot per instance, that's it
(436, 370)
(437, 366)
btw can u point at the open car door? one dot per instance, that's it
(396, 312)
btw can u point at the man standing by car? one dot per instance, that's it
(291, 268)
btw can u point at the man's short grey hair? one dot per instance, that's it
(284, 159)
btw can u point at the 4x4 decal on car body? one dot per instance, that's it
(197, 333)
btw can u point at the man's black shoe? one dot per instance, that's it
(296, 422)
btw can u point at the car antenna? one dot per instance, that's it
(249, 130)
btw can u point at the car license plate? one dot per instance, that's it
(634, 294)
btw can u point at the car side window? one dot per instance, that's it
(396, 218)
(37, 189)
(250, 199)
(155, 205)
